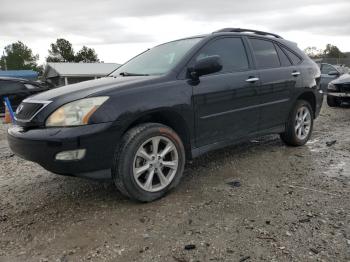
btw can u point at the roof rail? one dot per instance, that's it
(243, 30)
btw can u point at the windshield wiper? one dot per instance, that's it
(132, 74)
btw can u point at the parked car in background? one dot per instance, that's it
(170, 104)
(17, 89)
(339, 91)
(330, 72)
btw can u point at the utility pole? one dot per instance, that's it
(5, 63)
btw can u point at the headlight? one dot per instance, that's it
(332, 87)
(76, 113)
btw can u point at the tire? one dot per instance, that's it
(294, 136)
(333, 101)
(138, 172)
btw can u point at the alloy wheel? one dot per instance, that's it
(302, 122)
(155, 164)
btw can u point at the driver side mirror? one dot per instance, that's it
(206, 66)
(333, 73)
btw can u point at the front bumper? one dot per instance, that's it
(42, 146)
(339, 94)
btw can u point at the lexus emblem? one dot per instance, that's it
(19, 109)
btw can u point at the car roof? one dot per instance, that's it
(237, 31)
(247, 31)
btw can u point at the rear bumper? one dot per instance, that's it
(42, 146)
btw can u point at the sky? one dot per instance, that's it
(118, 30)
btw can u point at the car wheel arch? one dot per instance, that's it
(309, 97)
(166, 117)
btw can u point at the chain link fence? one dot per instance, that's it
(334, 61)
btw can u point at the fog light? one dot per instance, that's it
(71, 155)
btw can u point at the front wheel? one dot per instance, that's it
(149, 162)
(299, 125)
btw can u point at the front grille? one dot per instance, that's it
(27, 110)
(344, 88)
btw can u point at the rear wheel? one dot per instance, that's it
(299, 125)
(149, 162)
(333, 101)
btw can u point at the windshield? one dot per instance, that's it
(158, 60)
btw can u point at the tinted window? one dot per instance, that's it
(231, 52)
(295, 59)
(8, 87)
(325, 69)
(283, 57)
(265, 53)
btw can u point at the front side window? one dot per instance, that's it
(265, 53)
(158, 60)
(231, 51)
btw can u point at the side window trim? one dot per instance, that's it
(277, 46)
(284, 47)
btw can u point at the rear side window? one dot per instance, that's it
(295, 59)
(231, 52)
(283, 57)
(265, 53)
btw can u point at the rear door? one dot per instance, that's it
(225, 102)
(278, 78)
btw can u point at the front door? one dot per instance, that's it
(226, 102)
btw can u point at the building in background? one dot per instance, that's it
(25, 74)
(60, 74)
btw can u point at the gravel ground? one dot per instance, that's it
(258, 201)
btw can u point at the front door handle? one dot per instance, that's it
(252, 79)
(296, 73)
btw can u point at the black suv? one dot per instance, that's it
(169, 104)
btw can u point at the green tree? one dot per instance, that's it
(86, 55)
(333, 51)
(61, 51)
(18, 56)
(313, 52)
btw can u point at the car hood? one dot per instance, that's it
(343, 79)
(88, 88)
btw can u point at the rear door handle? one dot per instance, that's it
(252, 79)
(296, 73)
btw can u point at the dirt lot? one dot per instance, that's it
(284, 204)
